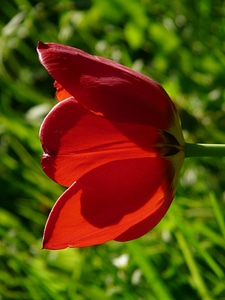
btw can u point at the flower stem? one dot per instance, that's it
(203, 150)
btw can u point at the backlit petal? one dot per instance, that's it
(61, 93)
(75, 141)
(108, 88)
(107, 201)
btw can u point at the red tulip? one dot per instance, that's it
(115, 141)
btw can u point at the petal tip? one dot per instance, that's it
(41, 45)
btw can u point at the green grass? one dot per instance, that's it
(181, 45)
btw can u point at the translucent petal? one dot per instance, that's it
(108, 88)
(107, 201)
(76, 141)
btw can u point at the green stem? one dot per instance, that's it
(203, 150)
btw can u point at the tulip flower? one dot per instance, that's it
(115, 141)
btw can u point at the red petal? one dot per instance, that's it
(61, 93)
(143, 227)
(108, 88)
(107, 201)
(76, 141)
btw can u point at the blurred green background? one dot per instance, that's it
(181, 44)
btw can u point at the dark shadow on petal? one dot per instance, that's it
(110, 201)
(119, 188)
